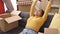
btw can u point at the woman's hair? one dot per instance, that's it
(40, 0)
(42, 12)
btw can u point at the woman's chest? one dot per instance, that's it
(33, 19)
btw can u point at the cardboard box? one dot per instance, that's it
(8, 22)
(40, 33)
(56, 2)
(54, 10)
(6, 15)
(24, 5)
(24, 8)
(24, 2)
(15, 13)
(50, 31)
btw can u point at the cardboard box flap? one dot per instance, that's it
(40, 33)
(15, 12)
(5, 15)
(1, 18)
(12, 19)
(50, 31)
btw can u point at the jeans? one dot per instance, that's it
(28, 31)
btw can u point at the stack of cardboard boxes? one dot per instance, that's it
(54, 10)
(55, 6)
(24, 5)
(56, 2)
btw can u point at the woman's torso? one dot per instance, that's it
(34, 23)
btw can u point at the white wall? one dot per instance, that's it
(14, 5)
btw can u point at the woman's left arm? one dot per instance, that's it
(47, 9)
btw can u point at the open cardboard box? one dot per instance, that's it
(50, 31)
(40, 33)
(8, 21)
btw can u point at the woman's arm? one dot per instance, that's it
(8, 5)
(32, 8)
(47, 9)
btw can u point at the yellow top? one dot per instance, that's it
(35, 22)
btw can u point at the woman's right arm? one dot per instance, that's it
(32, 8)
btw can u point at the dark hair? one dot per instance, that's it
(48, 0)
(40, 0)
(42, 12)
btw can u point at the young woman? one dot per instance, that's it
(36, 20)
(25, 15)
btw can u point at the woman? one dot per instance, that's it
(36, 20)
(25, 15)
